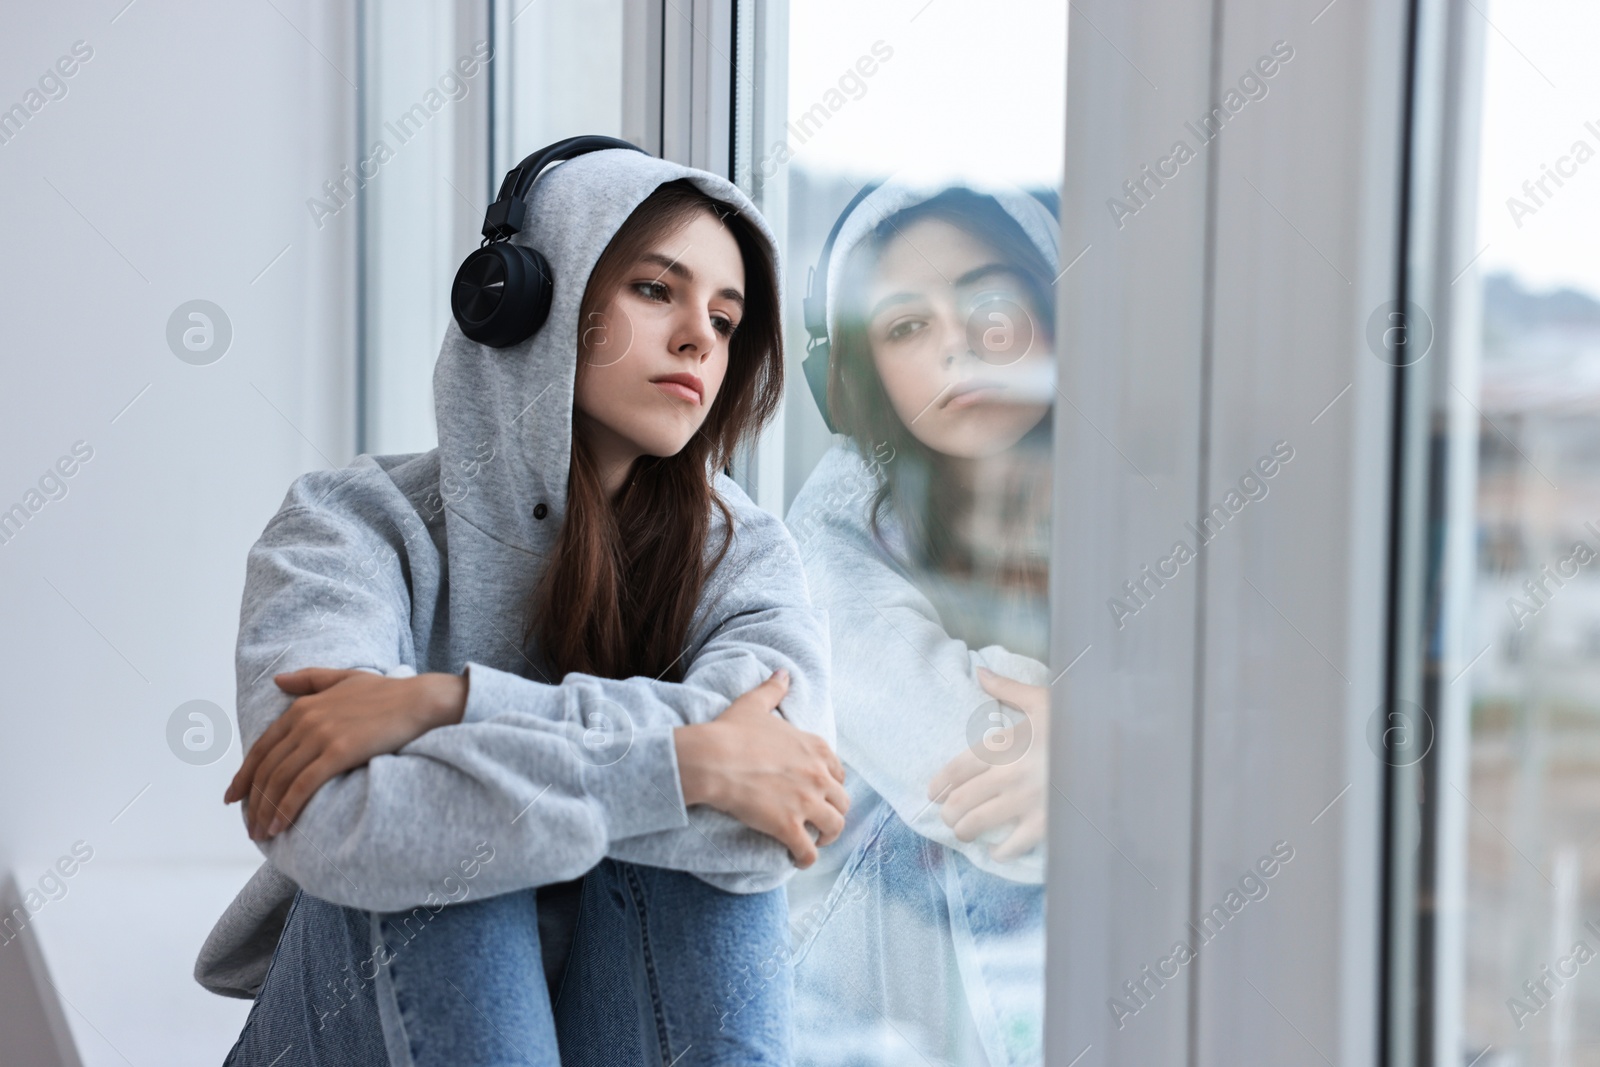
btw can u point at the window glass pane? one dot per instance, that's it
(454, 95)
(419, 129)
(563, 74)
(1533, 873)
(925, 521)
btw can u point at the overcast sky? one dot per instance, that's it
(972, 89)
(1542, 83)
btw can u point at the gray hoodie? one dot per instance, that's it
(424, 562)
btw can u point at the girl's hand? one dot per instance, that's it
(981, 792)
(765, 772)
(341, 720)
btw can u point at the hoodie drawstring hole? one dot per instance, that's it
(540, 511)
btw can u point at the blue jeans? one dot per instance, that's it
(664, 970)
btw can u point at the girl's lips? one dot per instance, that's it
(966, 396)
(679, 390)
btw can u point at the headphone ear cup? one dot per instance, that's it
(501, 294)
(815, 367)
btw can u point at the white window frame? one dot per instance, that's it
(1428, 848)
(699, 90)
(1232, 712)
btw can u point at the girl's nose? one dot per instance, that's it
(956, 344)
(696, 338)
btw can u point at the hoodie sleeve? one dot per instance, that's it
(758, 618)
(905, 692)
(554, 777)
(323, 589)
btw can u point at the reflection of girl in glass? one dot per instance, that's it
(925, 536)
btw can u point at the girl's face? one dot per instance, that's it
(957, 341)
(655, 355)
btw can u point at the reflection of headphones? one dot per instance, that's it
(502, 292)
(818, 347)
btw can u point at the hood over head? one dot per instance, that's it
(504, 415)
(899, 192)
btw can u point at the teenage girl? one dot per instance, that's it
(599, 670)
(925, 535)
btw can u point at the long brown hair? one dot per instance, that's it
(620, 589)
(922, 488)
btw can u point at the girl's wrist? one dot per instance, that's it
(445, 698)
(696, 764)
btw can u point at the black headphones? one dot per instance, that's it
(502, 292)
(818, 348)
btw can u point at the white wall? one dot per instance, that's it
(176, 167)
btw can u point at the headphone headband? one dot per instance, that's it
(509, 210)
(502, 291)
(815, 308)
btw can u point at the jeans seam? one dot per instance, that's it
(288, 917)
(636, 889)
(255, 1001)
(573, 947)
(397, 1040)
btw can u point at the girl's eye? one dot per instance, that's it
(903, 329)
(651, 290)
(724, 326)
